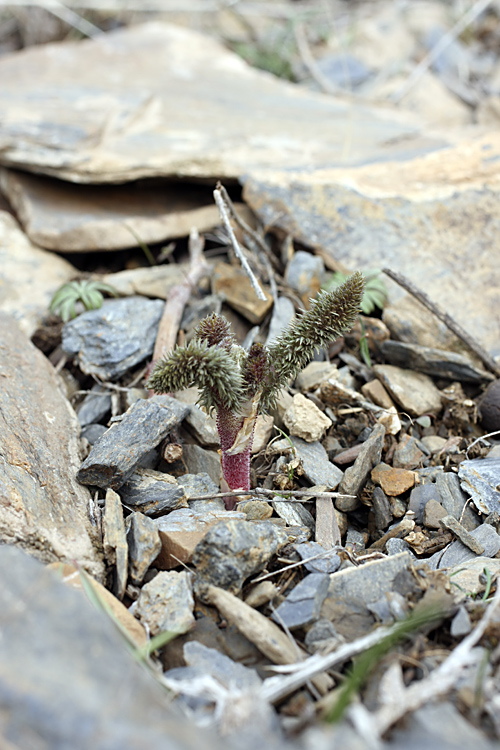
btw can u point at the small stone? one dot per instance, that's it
(459, 553)
(381, 509)
(294, 514)
(92, 432)
(233, 550)
(115, 541)
(322, 637)
(450, 523)
(390, 419)
(317, 468)
(152, 493)
(481, 479)
(413, 391)
(203, 427)
(233, 283)
(264, 426)
(255, 510)
(227, 672)
(313, 374)
(355, 476)
(407, 454)
(395, 545)
(461, 624)
(393, 481)
(305, 420)
(181, 530)
(114, 457)
(433, 513)
(489, 407)
(304, 273)
(375, 391)
(200, 460)
(197, 485)
(116, 337)
(261, 594)
(327, 561)
(435, 362)
(420, 496)
(166, 603)
(283, 314)
(327, 532)
(303, 604)
(402, 529)
(451, 496)
(144, 546)
(465, 576)
(433, 443)
(355, 540)
(94, 406)
(348, 456)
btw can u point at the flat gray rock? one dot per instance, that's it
(356, 475)
(114, 338)
(419, 217)
(435, 362)
(317, 468)
(152, 493)
(166, 603)
(457, 552)
(29, 276)
(116, 454)
(76, 218)
(59, 650)
(144, 545)
(221, 667)
(42, 507)
(480, 478)
(159, 100)
(329, 562)
(413, 391)
(94, 406)
(303, 604)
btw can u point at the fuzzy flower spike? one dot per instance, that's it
(239, 385)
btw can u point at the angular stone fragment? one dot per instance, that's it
(435, 362)
(94, 406)
(234, 285)
(203, 427)
(355, 476)
(407, 454)
(317, 468)
(144, 545)
(233, 550)
(114, 338)
(152, 493)
(305, 420)
(256, 510)
(450, 523)
(200, 460)
(262, 433)
(314, 374)
(75, 218)
(465, 575)
(220, 667)
(433, 513)
(381, 509)
(326, 561)
(304, 273)
(29, 276)
(420, 496)
(181, 530)
(42, 507)
(451, 496)
(116, 454)
(481, 479)
(166, 603)
(303, 604)
(413, 391)
(393, 481)
(458, 552)
(489, 407)
(115, 541)
(375, 391)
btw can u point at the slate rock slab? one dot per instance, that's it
(116, 454)
(432, 218)
(42, 507)
(166, 603)
(76, 218)
(480, 478)
(303, 604)
(67, 678)
(114, 338)
(157, 100)
(457, 552)
(435, 362)
(152, 492)
(317, 468)
(29, 276)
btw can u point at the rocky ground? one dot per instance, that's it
(350, 599)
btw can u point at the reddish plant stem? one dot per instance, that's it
(235, 467)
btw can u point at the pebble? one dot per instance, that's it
(420, 496)
(226, 671)
(375, 391)
(92, 432)
(152, 492)
(115, 542)
(393, 481)
(435, 362)
(313, 374)
(144, 546)
(413, 391)
(355, 476)
(196, 485)
(304, 273)
(451, 497)
(465, 576)
(317, 468)
(355, 539)
(451, 523)
(433, 513)
(329, 562)
(398, 507)
(407, 454)
(381, 509)
(116, 337)
(303, 604)
(233, 550)
(481, 479)
(461, 624)
(294, 514)
(322, 637)
(261, 594)
(282, 316)
(116, 454)
(433, 443)
(166, 603)
(94, 406)
(200, 460)
(457, 552)
(489, 407)
(203, 427)
(395, 545)
(181, 530)
(255, 510)
(305, 420)
(264, 426)
(234, 285)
